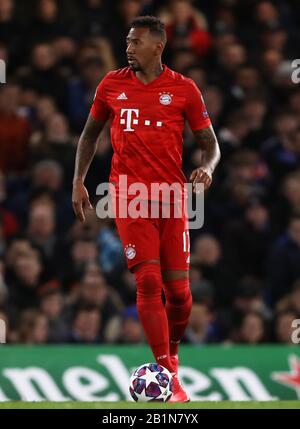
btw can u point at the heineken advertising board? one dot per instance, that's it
(101, 373)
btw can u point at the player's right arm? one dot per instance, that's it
(85, 153)
(86, 150)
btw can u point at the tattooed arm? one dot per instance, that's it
(211, 156)
(85, 153)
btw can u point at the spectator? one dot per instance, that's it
(83, 253)
(247, 82)
(214, 100)
(33, 328)
(46, 185)
(288, 203)
(43, 76)
(187, 28)
(86, 326)
(201, 328)
(248, 298)
(94, 291)
(81, 90)
(255, 109)
(24, 282)
(14, 132)
(231, 136)
(47, 24)
(51, 304)
(131, 331)
(111, 255)
(252, 329)
(283, 326)
(45, 109)
(278, 150)
(183, 59)
(198, 74)
(270, 63)
(126, 287)
(95, 17)
(284, 262)
(247, 241)
(291, 300)
(207, 256)
(10, 33)
(274, 36)
(18, 246)
(230, 59)
(41, 228)
(56, 144)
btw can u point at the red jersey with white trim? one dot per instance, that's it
(147, 123)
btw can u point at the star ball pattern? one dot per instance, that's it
(151, 382)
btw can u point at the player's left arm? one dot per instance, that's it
(198, 118)
(208, 142)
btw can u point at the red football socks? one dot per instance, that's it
(152, 312)
(178, 308)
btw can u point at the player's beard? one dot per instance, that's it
(135, 66)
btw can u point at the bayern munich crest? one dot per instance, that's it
(165, 98)
(130, 251)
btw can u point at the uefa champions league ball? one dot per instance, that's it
(151, 382)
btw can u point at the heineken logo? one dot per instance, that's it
(209, 373)
(292, 378)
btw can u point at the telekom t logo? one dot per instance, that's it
(131, 118)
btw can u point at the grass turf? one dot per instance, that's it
(166, 406)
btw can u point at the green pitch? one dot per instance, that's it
(133, 405)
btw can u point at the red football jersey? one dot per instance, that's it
(147, 123)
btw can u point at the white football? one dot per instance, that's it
(151, 382)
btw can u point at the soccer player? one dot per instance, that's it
(147, 105)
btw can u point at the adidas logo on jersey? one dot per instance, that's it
(122, 96)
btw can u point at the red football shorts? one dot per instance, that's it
(163, 239)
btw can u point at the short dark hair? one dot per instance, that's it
(155, 25)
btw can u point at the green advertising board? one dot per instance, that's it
(101, 373)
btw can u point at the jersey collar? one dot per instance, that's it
(154, 81)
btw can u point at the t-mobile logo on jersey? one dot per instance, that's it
(131, 118)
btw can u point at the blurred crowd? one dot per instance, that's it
(66, 282)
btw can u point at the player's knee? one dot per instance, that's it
(178, 293)
(149, 281)
(183, 298)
